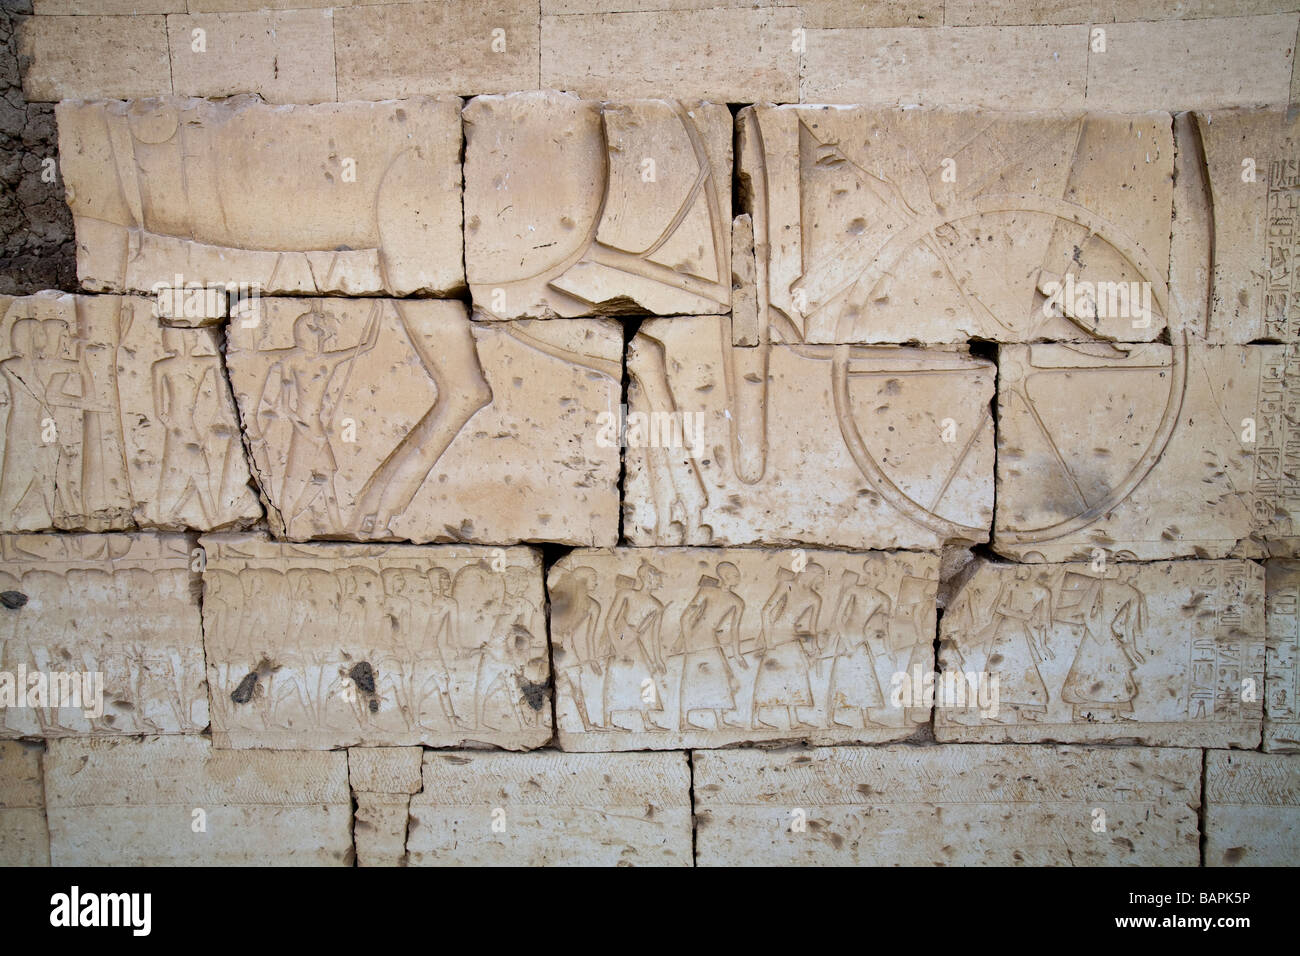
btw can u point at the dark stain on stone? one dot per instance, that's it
(534, 693)
(13, 599)
(244, 692)
(363, 675)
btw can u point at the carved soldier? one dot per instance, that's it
(632, 637)
(709, 626)
(791, 634)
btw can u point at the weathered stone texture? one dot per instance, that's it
(858, 448)
(283, 56)
(133, 802)
(379, 828)
(943, 225)
(1252, 809)
(1035, 67)
(24, 836)
(120, 608)
(1147, 452)
(94, 56)
(382, 419)
(440, 46)
(723, 55)
(1166, 653)
(574, 207)
(36, 251)
(384, 769)
(947, 806)
(552, 809)
(669, 648)
(325, 646)
(1184, 64)
(113, 422)
(350, 198)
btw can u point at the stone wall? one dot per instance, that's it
(709, 464)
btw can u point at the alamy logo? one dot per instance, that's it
(38, 689)
(103, 909)
(1099, 300)
(683, 430)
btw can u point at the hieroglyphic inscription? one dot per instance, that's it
(1171, 653)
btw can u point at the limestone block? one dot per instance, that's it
(574, 207)
(94, 56)
(881, 13)
(723, 55)
(1252, 809)
(1147, 452)
(1182, 63)
(324, 646)
(744, 291)
(384, 769)
(669, 648)
(350, 198)
(379, 829)
(1040, 67)
(135, 802)
(941, 225)
(1282, 680)
(442, 46)
(111, 624)
(113, 421)
(383, 419)
(552, 809)
(731, 445)
(120, 7)
(1250, 168)
(947, 806)
(284, 56)
(24, 836)
(973, 12)
(1169, 653)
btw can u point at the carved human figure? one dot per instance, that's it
(68, 392)
(791, 634)
(501, 670)
(29, 460)
(709, 627)
(577, 614)
(438, 646)
(300, 386)
(185, 387)
(1017, 639)
(862, 611)
(1101, 680)
(632, 635)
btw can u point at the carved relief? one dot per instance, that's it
(575, 207)
(1170, 653)
(944, 225)
(351, 198)
(1247, 164)
(118, 616)
(946, 806)
(320, 646)
(689, 647)
(1147, 451)
(1282, 704)
(111, 421)
(907, 462)
(385, 419)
